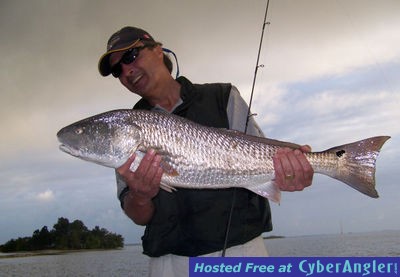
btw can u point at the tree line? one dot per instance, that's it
(65, 235)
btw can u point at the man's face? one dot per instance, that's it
(139, 67)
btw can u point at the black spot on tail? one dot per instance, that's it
(340, 153)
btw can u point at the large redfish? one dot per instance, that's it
(199, 157)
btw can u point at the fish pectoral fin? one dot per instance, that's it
(167, 187)
(268, 190)
(168, 169)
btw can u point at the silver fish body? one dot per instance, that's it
(198, 157)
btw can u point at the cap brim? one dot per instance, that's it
(104, 61)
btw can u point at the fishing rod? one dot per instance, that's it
(257, 67)
(247, 121)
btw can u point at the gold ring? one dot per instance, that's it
(289, 177)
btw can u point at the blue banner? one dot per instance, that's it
(305, 266)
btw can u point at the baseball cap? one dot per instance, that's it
(121, 40)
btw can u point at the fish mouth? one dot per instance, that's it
(68, 150)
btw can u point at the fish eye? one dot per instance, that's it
(79, 130)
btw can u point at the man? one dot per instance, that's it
(189, 222)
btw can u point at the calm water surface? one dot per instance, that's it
(130, 261)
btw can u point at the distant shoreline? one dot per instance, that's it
(4, 255)
(274, 237)
(47, 252)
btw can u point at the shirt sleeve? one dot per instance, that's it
(237, 110)
(122, 188)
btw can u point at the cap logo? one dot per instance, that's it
(112, 42)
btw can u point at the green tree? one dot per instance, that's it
(66, 235)
(42, 239)
(61, 232)
(77, 235)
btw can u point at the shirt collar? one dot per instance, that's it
(158, 108)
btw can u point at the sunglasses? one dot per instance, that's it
(128, 58)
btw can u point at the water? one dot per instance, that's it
(130, 261)
(126, 262)
(375, 244)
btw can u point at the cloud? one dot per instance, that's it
(47, 195)
(358, 103)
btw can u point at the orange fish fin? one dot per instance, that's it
(168, 169)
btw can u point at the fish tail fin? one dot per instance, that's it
(354, 164)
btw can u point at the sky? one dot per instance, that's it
(330, 75)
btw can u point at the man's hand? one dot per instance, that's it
(293, 172)
(144, 184)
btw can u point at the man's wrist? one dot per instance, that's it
(139, 200)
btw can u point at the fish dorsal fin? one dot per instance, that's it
(258, 139)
